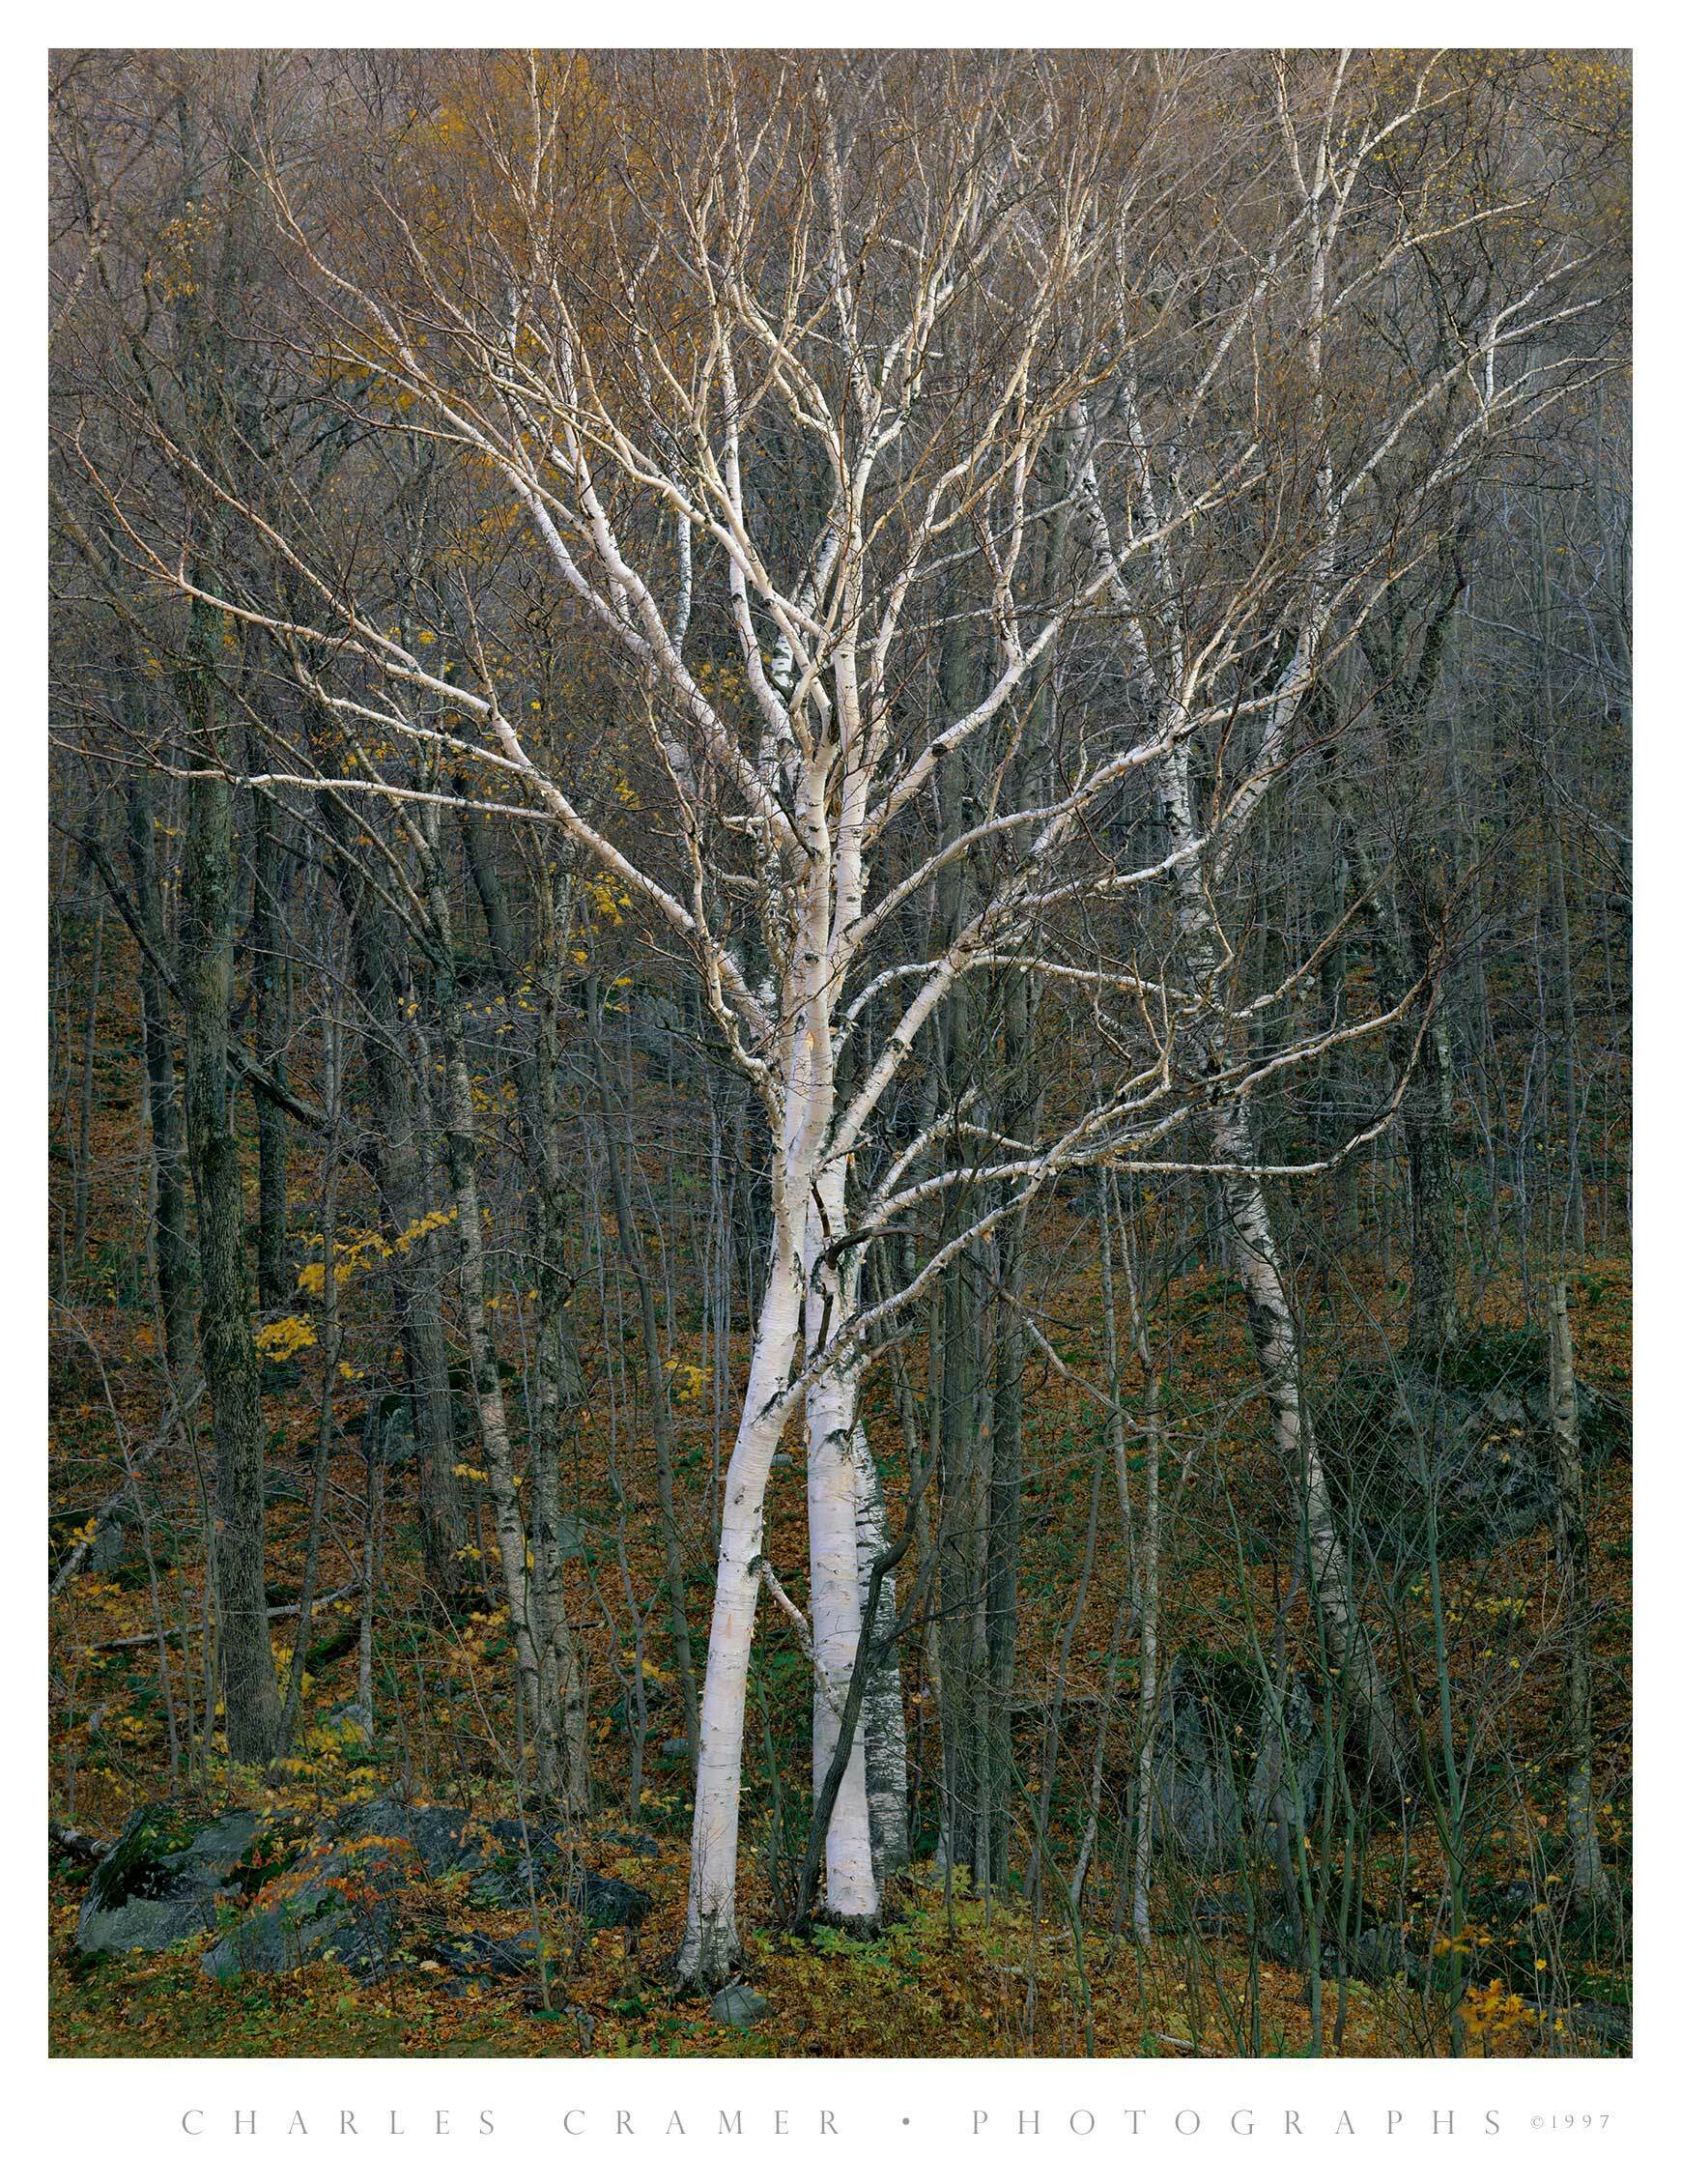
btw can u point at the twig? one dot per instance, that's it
(802, 1629)
(152, 1637)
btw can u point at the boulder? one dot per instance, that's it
(1290, 1757)
(1198, 1814)
(507, 1874)
(471, 1956)
(1242, 1913)
(1464, 1452)
(277, 1894)
(163, 1879)
(1609, 2026)
(323, 1907)
(106, 1552)
(739, 2006)
(1232, 1754)
(1380, 1954)
(341, 1899)
(438, 1838)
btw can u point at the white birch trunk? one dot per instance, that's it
(885, 1758)
(831, 1502)
(711, 1945)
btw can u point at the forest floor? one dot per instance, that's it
(930, 1986)
(949, 1975)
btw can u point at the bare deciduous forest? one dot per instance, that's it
(840, 1053)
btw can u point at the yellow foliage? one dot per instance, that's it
(688, 1381)
(363, 1246)
(284, 1337)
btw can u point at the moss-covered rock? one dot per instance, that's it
(165, 1878)
(1462, 1454)
(275, 1892)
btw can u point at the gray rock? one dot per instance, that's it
(106, 1552)
(739, 2007)
(442, 1838)
(343, 1905)
(1462, 1458)
(609, 1903)
(632, 1840)
(312, 1918)
(1233, 1756)
(506, 1862)
(339, 1898)
(1378, 1956)
(273, 1898)
(1608, 2026)
(1224, 1911)
(163, 1879)
(509, 1877)
(477, 1956)
(1198, 1816)
(1289, 1760)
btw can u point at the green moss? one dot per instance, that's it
(1486, 1358)
(137, 1863)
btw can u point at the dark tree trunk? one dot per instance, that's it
(171, 1254)
(251, 1695)
(380, 972)
(559, 1391)
(616, 1137)
(966, 1696)
(1587, 1878)
(549, 1665)
(1016, 1110)
(274, 1273)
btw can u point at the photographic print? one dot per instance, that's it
(839, 956)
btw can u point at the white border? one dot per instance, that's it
(73, 2119)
